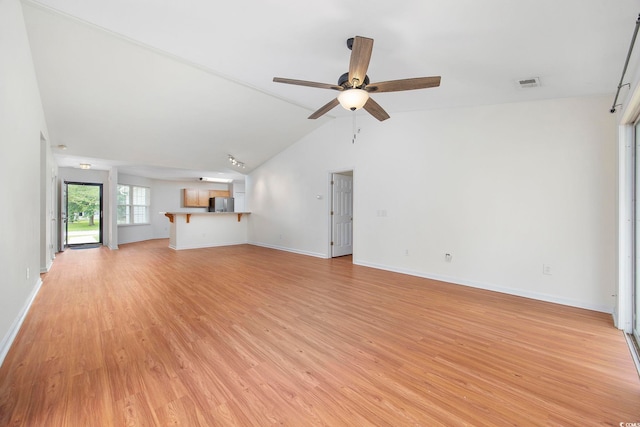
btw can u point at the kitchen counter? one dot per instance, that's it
(191, 230)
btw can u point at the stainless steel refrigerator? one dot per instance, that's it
(221, 204)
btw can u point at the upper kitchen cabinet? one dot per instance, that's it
(199, 198)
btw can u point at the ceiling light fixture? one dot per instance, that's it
(235, 162)
(224, 180)
(85, 166)
(353, 99)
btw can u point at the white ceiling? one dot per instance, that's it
(169, 89)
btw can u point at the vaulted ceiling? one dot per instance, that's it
(169, 89)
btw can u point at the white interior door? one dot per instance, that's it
(341, 215)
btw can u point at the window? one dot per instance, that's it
(133, 204)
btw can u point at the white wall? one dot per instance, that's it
(503, 188)
(21, 125)
(239, 197)
(282, 194)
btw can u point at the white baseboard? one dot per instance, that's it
(8, 339)
(205, 245)
(494, 288)
(295, 251)
(614, 314)
(47, 267)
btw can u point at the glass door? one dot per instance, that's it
(83, 214)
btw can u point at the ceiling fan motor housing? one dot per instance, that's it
(350, 43)
(344, 81)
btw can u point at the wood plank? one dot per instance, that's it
(243, 335)
(219, 193)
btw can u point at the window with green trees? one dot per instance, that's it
(133, 204)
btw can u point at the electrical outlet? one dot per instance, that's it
(447, 257)
(546, 269)
(28, 272)
(406, 252)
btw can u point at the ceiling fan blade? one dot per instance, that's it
(360, 57)
(325, 108)
(404, 84)
(376, 110)
(307, 83)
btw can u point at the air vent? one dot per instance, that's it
(530, 82)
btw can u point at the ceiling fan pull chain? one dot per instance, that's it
(354, 127)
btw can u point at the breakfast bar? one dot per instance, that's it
(192, 230)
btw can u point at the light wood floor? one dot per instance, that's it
(250, 336)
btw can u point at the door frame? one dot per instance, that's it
(65, 203)
(635, 229)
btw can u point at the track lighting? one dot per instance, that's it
(235, 162)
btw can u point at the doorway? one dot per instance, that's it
(83, 214)
(341, 214)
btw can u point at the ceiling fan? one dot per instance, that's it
(354, 86)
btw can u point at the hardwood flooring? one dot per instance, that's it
(248, 336)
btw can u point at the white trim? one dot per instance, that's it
(631, 109)
(491, 287)
(8, 339)
(634, 351)
(205, 245)
(285, 249)
(623, 309)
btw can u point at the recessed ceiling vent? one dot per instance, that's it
(527, 83)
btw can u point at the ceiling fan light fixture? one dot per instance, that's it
(353, 99)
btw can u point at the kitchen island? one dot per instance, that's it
(192, 230)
